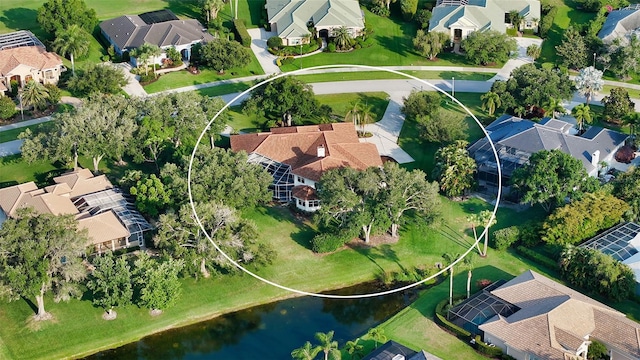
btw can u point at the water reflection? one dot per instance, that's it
(269, 331)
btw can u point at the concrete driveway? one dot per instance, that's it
(259, 37)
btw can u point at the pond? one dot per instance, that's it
(268, 331)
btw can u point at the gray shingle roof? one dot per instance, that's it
(619, 23)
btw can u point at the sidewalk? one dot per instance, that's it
(25, 123)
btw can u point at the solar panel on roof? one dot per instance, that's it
(158, 16)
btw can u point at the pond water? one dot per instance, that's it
(268, 331)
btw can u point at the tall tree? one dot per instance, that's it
(485, 219)
(73, 41)
(469, 263)
(41, 253)
(35, 94)
(554, 106)
(454, 169)
(56, 15)
(306, 352)
(377, 335)
(573, 49)
(157, 283)
(110, 283)
(328, 345)
(354, 349)
(490, 102)
(625, 58)
(632, 120)
(589, 82)
(97, 78)
(487, 47)
(583, 114)
(617, 104)
(431, 43)
(407, 191)
(225, 54)
(210, 8)
(450, 258)
(627, 187)
(287, 96)
(360, 115)
(548, 178)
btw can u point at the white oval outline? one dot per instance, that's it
(356, 296)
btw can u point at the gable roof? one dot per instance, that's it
(35, 57)
(620, 23)
(554, 319)
(480, 14)
(102, 227)
(292, 16)
(298, 147)
(550, 134)
(81, 182)
(131, 31)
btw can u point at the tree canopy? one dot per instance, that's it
(617, 104)
(110, 282)
(41, 253)
(157, 283)
(627, 187)
(487, 47)
(224, 54)
(56, 15)
(431, 43)
(573, 49)
(286, 96)
(97, 78)
(548, 178)
(454, 169)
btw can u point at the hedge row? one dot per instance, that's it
(442, 321)
(483, 348)
(241, 31)
(537, 257)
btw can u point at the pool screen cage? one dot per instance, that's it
(479, 308)
(510, 160)
(18, 39)
(620, 242)
(122, 206)
(281, 173)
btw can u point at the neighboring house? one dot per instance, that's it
(517, 139)
(546, 320)
(392, 350)
(459, 18)
(111, 224)
(161, 28)
(292, 19)
(23, 58)
(622, 242)
(297, 157)
(621, 24)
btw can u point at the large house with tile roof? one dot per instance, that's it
(161, 28)
(111, 226)
(459, 18)
(291, 19)
(297, 157)
(547, 320)
(517, 139)
(24, 58)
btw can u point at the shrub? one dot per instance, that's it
(327, 242)
(537, 257)
(504, 238)
(597, 351)
(274, 42)
(625, 154)
(54, 93)
(547, 22)
(530, 233)
(287, 60)
(486, 349)
(7, 108)
(483, 283)
(331, 47)
(241, 31)
(147, 78)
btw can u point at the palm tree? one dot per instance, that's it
(632, 120)
(144, 53)
(35, 94)
(377, 335)
(516, 19)
(520, 111)
(342, 37)
(154, 52)
(354, 349)
(306, 352)
(450, 258)
(490, 101)
(583, 114)
(486, 219)
(555, 106)
(72, 41)
(328, 345)
(589, 82)
(211, 9)
(469, 263)
(533, 51)
(360, 115)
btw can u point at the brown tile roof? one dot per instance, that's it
(297, 146)
(554, 319)
(83, 182)
(58, 189)
(304, 192)
(10, 196)
(32, 56)
(103, 227)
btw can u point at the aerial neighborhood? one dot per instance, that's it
(320, 179)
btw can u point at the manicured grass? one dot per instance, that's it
(241, 122)
(10, 135)
(342, 103)
(224, 89)
(378, 75)
(633, 93)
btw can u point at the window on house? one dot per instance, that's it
(507, 18)
(314, 203)
(300, 180)
(528, 24)
(300, 202)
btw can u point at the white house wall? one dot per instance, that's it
(299, 180)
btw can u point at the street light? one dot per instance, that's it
(21, 107)
(594, 60)
(453, 86)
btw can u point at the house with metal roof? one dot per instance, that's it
(291, 19)
(621, 25)
(111, 220)
(517, 139)
(162, 28)
(459, 18)
(297, 156)
(548, 320)
(622, 242)
(24, 58)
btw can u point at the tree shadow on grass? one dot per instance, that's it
(17, 18)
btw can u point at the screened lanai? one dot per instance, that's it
(125, 210)
(19, 38)
(510, 160)
(479, 308)
(621, 242)
(282, 177)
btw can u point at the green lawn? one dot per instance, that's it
(632, 92)
(342, 103)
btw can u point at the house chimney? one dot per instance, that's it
(321, 152)
(595, 158)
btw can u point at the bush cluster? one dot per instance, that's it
(547, 21)
(483, 348)
(242, 33)
(506, 237)
(328, 242)
(537, 257)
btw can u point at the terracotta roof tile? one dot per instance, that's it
(298, 147)
(304, 192)
(10, 196)
(33, 56)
